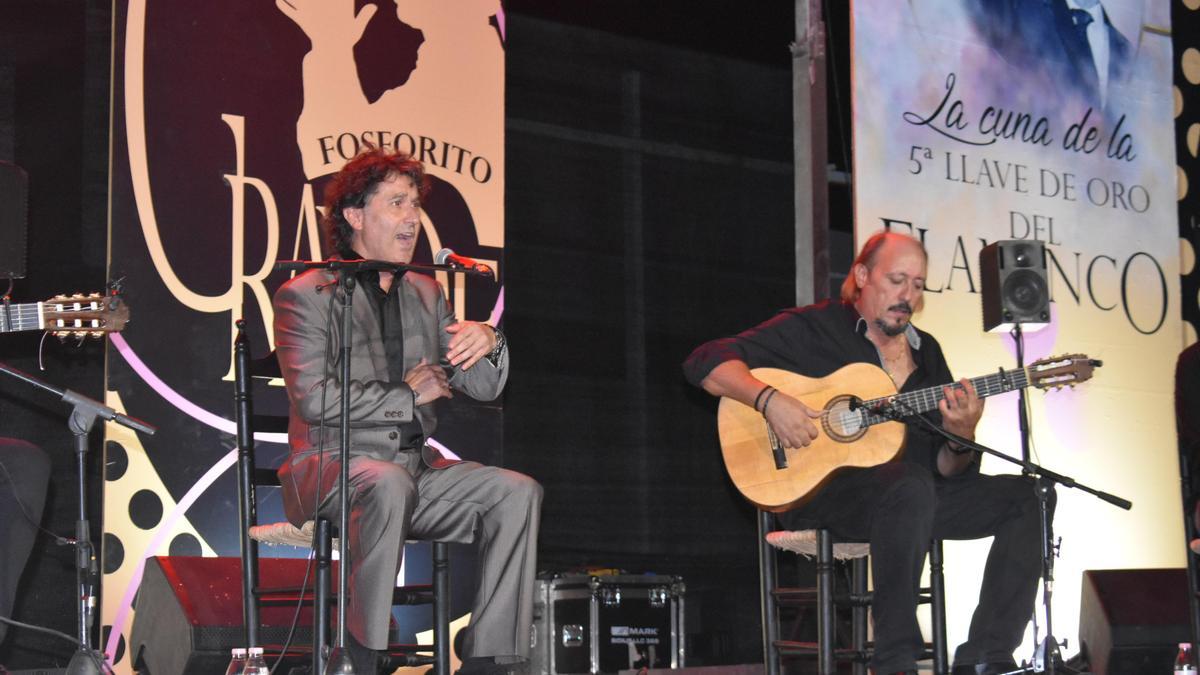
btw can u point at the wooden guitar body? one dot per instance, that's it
(840, 442)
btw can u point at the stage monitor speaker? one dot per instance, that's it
(189, 613)
(1013, 279)
(14, 211)
(1132, 621)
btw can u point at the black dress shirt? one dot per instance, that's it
(817, 340)
(391, 326)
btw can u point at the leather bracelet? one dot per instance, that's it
(760, 395)
(767, 402)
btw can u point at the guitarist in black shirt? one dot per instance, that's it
(932, 491)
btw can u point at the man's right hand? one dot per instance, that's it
(428, 382)
(791, 420)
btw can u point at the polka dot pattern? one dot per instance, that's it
(145, 509)
(114, 552)
(185, 544)
(120, 645)
(132, 481)
(1191, 65)
(1186, 49)
(116, 461)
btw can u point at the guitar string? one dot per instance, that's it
(928, 398)
(29, 314)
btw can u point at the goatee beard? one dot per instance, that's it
(890, 331)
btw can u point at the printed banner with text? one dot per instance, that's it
(229, 118)
(984, 120)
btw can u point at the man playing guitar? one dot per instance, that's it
(934, 490)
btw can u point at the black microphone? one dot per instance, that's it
(880, 407)
(449, 257)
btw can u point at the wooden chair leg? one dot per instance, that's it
(441, 607)
(767, 581)
(826, 615)
(937, 609)
(858, 589)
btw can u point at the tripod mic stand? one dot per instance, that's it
(1046, 659)
(86, 660)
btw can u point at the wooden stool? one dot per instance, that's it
(819, 543)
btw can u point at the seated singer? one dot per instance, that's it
(409, 351)
(932, 491)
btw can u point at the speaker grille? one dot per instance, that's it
(1025, 291)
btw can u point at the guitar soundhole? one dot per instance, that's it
(842, 424)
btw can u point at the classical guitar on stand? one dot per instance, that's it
(857, 427)
(67, 315)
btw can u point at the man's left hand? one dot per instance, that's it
(961, 409)
(470, 342)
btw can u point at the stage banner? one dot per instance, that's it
(229, 117)
(984, 120)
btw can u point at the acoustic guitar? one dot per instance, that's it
(858, 425)
(76, 315)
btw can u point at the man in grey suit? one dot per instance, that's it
(408, 352)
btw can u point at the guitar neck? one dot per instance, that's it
(23, 316)
(924, 400)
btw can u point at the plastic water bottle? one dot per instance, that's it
(238, 663)
(1184, 665)
(255, 664)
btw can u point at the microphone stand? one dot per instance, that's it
(339, 659)
(1046, 656)
(84, 412)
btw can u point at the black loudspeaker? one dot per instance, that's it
(188, 614)
(1132, 621)
(1013, 280)
(14, 210)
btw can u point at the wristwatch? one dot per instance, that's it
(494, 355)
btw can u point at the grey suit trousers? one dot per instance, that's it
(405, 499)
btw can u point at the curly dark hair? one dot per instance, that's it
(354, 185)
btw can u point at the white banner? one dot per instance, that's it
(985, 120)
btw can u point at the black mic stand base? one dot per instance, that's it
(86, 662)
(339, 662)
(1047, 659)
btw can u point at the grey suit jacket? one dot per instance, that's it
(307, 341)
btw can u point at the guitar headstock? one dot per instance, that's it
(1061, 371)
(83, 316)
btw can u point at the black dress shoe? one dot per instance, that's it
(994, 668)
